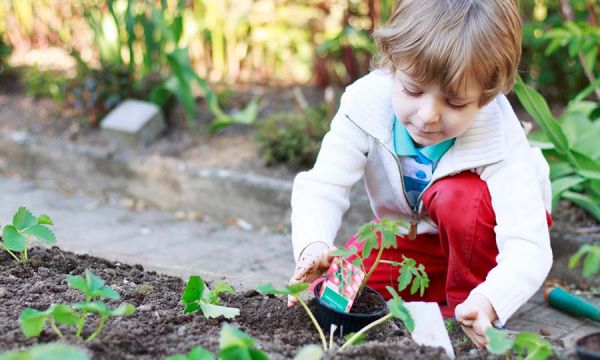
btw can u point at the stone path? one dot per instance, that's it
(158, 241)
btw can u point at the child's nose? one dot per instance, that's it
(429, 113)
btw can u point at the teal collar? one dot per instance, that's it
(404, 145)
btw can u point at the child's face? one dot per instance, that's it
(431, 116)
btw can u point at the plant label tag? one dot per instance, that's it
(341, 285)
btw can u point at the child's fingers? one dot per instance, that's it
(291, 301)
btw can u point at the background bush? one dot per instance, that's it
(293, 138)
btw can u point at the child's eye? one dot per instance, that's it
(456, 107)
(411, 93)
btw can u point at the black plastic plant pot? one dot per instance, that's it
(588, 347)
(346, 322)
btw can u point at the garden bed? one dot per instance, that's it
(159, 328)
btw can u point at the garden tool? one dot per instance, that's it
(429, 325)
(571, 304)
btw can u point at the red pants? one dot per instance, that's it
(459, 257)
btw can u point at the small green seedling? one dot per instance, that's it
(234, 344)
(409, 271)
(397, 310)
(523, 343)
(197, 353)
(33, 321)
(591, 263)
(295, 290)
(52, 351)
(197, 296)
(15, 236)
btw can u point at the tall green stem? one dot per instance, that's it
(377, 259)
(81, 322)
(98, 329)
(312, 317)
(364, 330)
(10, 252)
(55, 328)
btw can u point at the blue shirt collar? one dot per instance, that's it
(404, 145)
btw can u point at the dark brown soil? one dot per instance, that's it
(159, 327)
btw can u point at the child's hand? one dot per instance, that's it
(475, 316)
(314, 261)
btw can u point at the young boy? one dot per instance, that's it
(441, 149)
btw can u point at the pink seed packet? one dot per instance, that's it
(342, 282)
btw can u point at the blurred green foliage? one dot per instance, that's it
(44, 83)
(5, 50)
(550, 45)
(293, 138)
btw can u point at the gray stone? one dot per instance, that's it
(133, 122)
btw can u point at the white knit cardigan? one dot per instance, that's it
(359, 144)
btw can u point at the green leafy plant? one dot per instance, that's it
(591, 263)
(197, 296)
(15, 236)
(45, 83)
(33, 321)
(292, 138)
(234, 344)
(569, 143)
(409, 271)
(523, 343)
(51, 351)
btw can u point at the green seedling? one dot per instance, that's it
(52, 351)
(197, 296)
(197, 353)
(411, 272)
(591, 263)
(234, 344)
(523, 343)
(33, 321)
(295, 290)
(397, 310)
(15, 237)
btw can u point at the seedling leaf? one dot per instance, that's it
(189, 308)
(193, 289)
(499, 343)
(77, 282)
(214, 311)
(222, 287)
(95, 307)
(404, 278)
(398, 310)
(310, 352)
(23, 219)
(42, 233)
(64, 314)
(123, 309)
(293, 290)
(359, 340)
(13, 239)
(52, 351)
(200, 353)
(32, 321)
(44, 220)
(236, 345)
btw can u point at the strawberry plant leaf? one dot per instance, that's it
(193, 290)
(416, 284)
(44, 220)
(398, 310)
(388, 239)
(123, 309)
(294, 289)
(32, 321)
(591, 263)
(94, 307)
(78, 283)
(13, 239)
(51, 351)
(189, 308)
(23, 219)
(499, 343)
(42, 233)
(236, 345)
(222, 287)
(213, 311)
(64, 314)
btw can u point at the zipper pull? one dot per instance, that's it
(412, 232)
